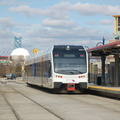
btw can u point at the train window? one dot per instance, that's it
(71, 63)
(49, 69)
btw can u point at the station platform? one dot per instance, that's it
(104, 90)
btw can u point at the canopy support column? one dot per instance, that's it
(103, 58)
(116, 70)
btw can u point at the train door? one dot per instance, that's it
(42, 72)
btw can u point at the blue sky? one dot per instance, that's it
(42, 23)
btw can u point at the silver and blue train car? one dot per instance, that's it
(62, 68)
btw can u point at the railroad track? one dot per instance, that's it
(18, 117)
(11, 107)
(57, 106)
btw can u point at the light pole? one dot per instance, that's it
(103, 42)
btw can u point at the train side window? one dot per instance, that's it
(49, 68)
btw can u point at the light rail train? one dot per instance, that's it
(62, 68)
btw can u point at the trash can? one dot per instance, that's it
(98, 80)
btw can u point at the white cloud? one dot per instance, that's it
(8, 2)
(61, 10)
(26, 10)
(93, 9)
(106, 22)
(8, 34)
(45, 37)
(7, 23)
(59, 23)
(58, 11)
(58, 27)
(7, 41)
(5, 33)
(63, 33)
(50, 12)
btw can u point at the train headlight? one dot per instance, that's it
(58, 76)
(82, 76)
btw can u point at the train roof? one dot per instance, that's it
(40, 53)
(49, 50)
(65, 46)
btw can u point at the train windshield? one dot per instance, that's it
(70, 61)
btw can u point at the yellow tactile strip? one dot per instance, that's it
(105, 88)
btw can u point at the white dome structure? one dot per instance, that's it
(19, 54)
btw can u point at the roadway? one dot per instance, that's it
(20, 102)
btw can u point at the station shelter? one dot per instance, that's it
(103, 51)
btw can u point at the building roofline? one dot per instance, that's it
(101, 47)
(116, 15)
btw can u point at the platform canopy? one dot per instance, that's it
(107, 49)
